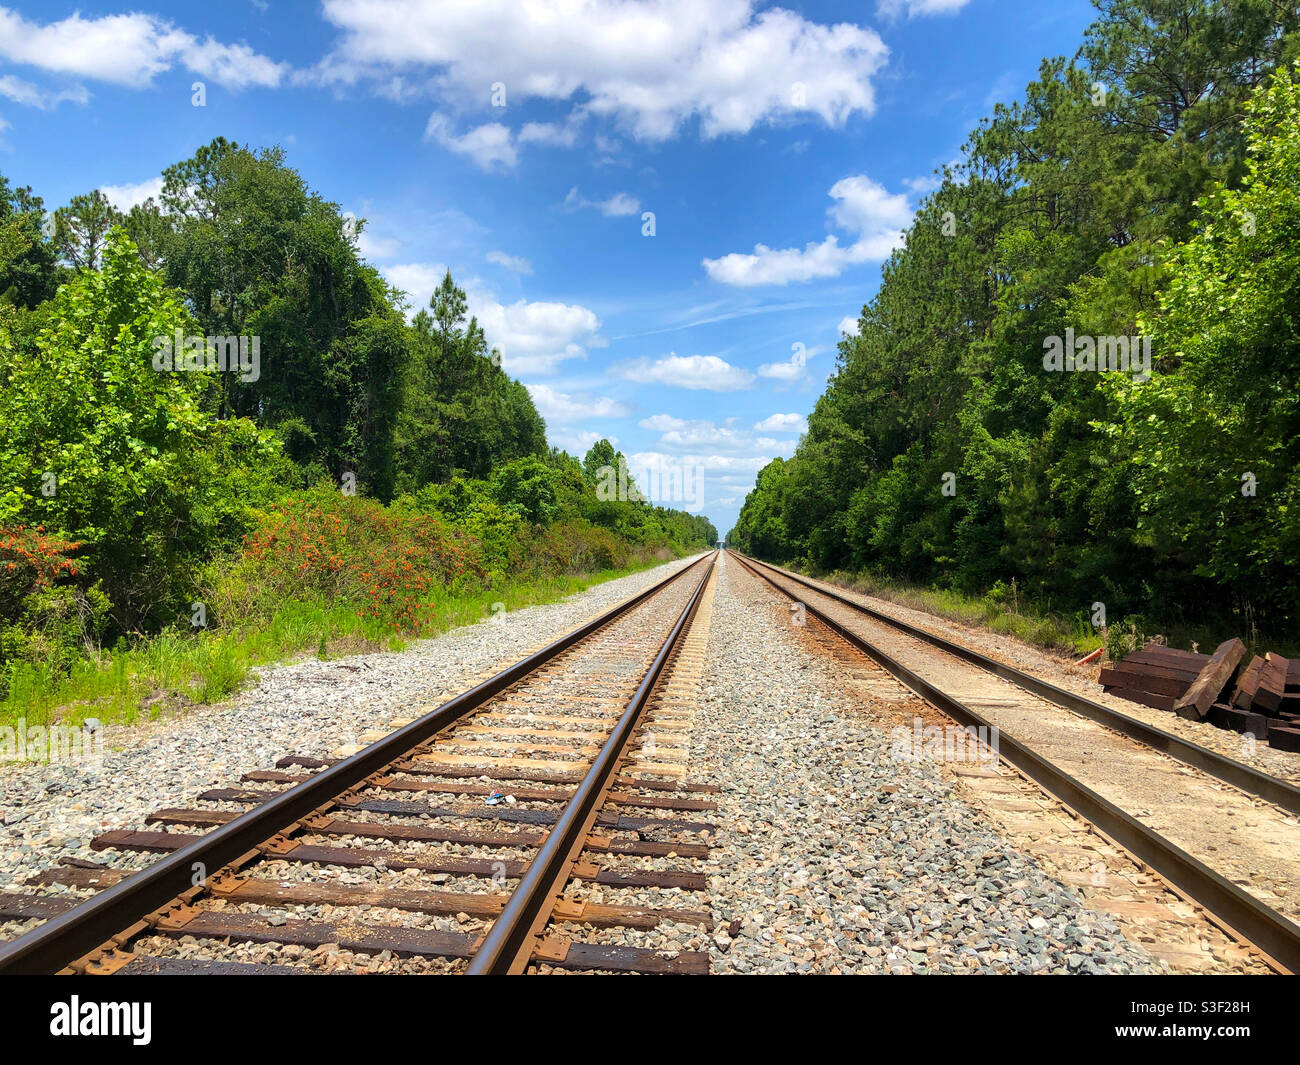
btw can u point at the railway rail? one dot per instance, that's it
(555, 731)
(1243, 915)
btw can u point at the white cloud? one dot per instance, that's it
(700, 372)
(578, 443)
(534, 337)
(417, 280)
(512, 263)
(618, 205)
(649, 67)
(781, 371)
(234, 66)
(124, 197)
(560, 408)
(893, 8)
(490, 145)
(493, 145)
(792, 370)
(718, 461)
(29, 95)
(862, 206)
(662, 423)
(549, 134)
(130, 50)
(782, 423)
(849, 326)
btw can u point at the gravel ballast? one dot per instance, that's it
(835, 858)
(830, 856)
(311, 707)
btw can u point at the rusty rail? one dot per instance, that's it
(121, 911)
(1240, 776)
(1240, 912)
(508, 946)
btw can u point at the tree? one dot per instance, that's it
(1215, 435)
(30, 273)
(258, 254)
(460, 412)
(81, 229)
(102, 449)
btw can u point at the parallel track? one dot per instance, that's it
(1277, 937)
(95, 935)
(1280, 793)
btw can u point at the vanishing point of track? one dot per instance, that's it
(562, 721)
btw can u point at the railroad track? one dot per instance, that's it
(1061, 755)
(529, 802)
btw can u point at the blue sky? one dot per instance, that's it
(781, 150)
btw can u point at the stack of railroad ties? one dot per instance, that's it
(1261, 696)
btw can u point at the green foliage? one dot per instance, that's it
(132, 488)
(1215, 436)
(257, 253)
(29, 272)
(128, 461)
(943, 453)
(460, 414)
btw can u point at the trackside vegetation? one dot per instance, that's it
(223, 442)
(1079, 376)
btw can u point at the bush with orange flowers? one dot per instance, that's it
(345, 549)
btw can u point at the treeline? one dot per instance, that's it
(180, 381)
(1141, 197)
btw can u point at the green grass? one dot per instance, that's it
(172, 671)
(1009, 612)
(1011, 615)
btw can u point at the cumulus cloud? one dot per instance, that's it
(724, 456)
(862, 207)
(615, 206)
(491, 146)
(782, 423)
(561, 408)
(512, 263)
(417, 280)
(849, 326)
(795, 369)
(648, 67)
(124, 197)
(533, 336)
(663, 422)
(578, 442)
(130, 50)
(700, 372)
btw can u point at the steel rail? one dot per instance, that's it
(508, 946)
(1243, 777)
(1273, 934)
(62, 940)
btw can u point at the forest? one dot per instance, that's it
(216, 415)
(1079, 375)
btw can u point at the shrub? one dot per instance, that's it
(323, 544)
